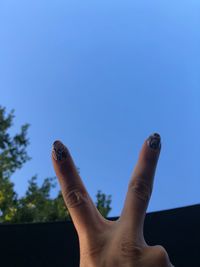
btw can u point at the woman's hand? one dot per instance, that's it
(119, 243)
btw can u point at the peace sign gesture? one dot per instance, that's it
(119, 243)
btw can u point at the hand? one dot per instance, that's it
(105, 243)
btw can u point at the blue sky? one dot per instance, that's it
(102, 76)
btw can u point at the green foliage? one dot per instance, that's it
(12, 149)
(36, 205)
(12, 156)
(103, 203)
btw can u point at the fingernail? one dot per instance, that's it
(154, 141)
(59, 151)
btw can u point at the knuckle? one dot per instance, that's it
(130, 249)
(161, 255)
(94, 249)
(141, 189)
(75, 197)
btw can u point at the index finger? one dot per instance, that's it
(84, 213)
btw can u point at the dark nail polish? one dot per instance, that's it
(154, 141)
(59, 151)
(156, 135)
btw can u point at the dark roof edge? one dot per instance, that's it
(109, 218)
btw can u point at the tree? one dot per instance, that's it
(12, 156)
(103, 203)
(36, 205)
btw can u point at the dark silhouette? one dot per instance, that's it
(56, 243)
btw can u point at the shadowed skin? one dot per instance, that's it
(119, 243)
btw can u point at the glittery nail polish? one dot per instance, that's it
(59, 151)
(154, 141)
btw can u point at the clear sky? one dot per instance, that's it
(101, 76)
